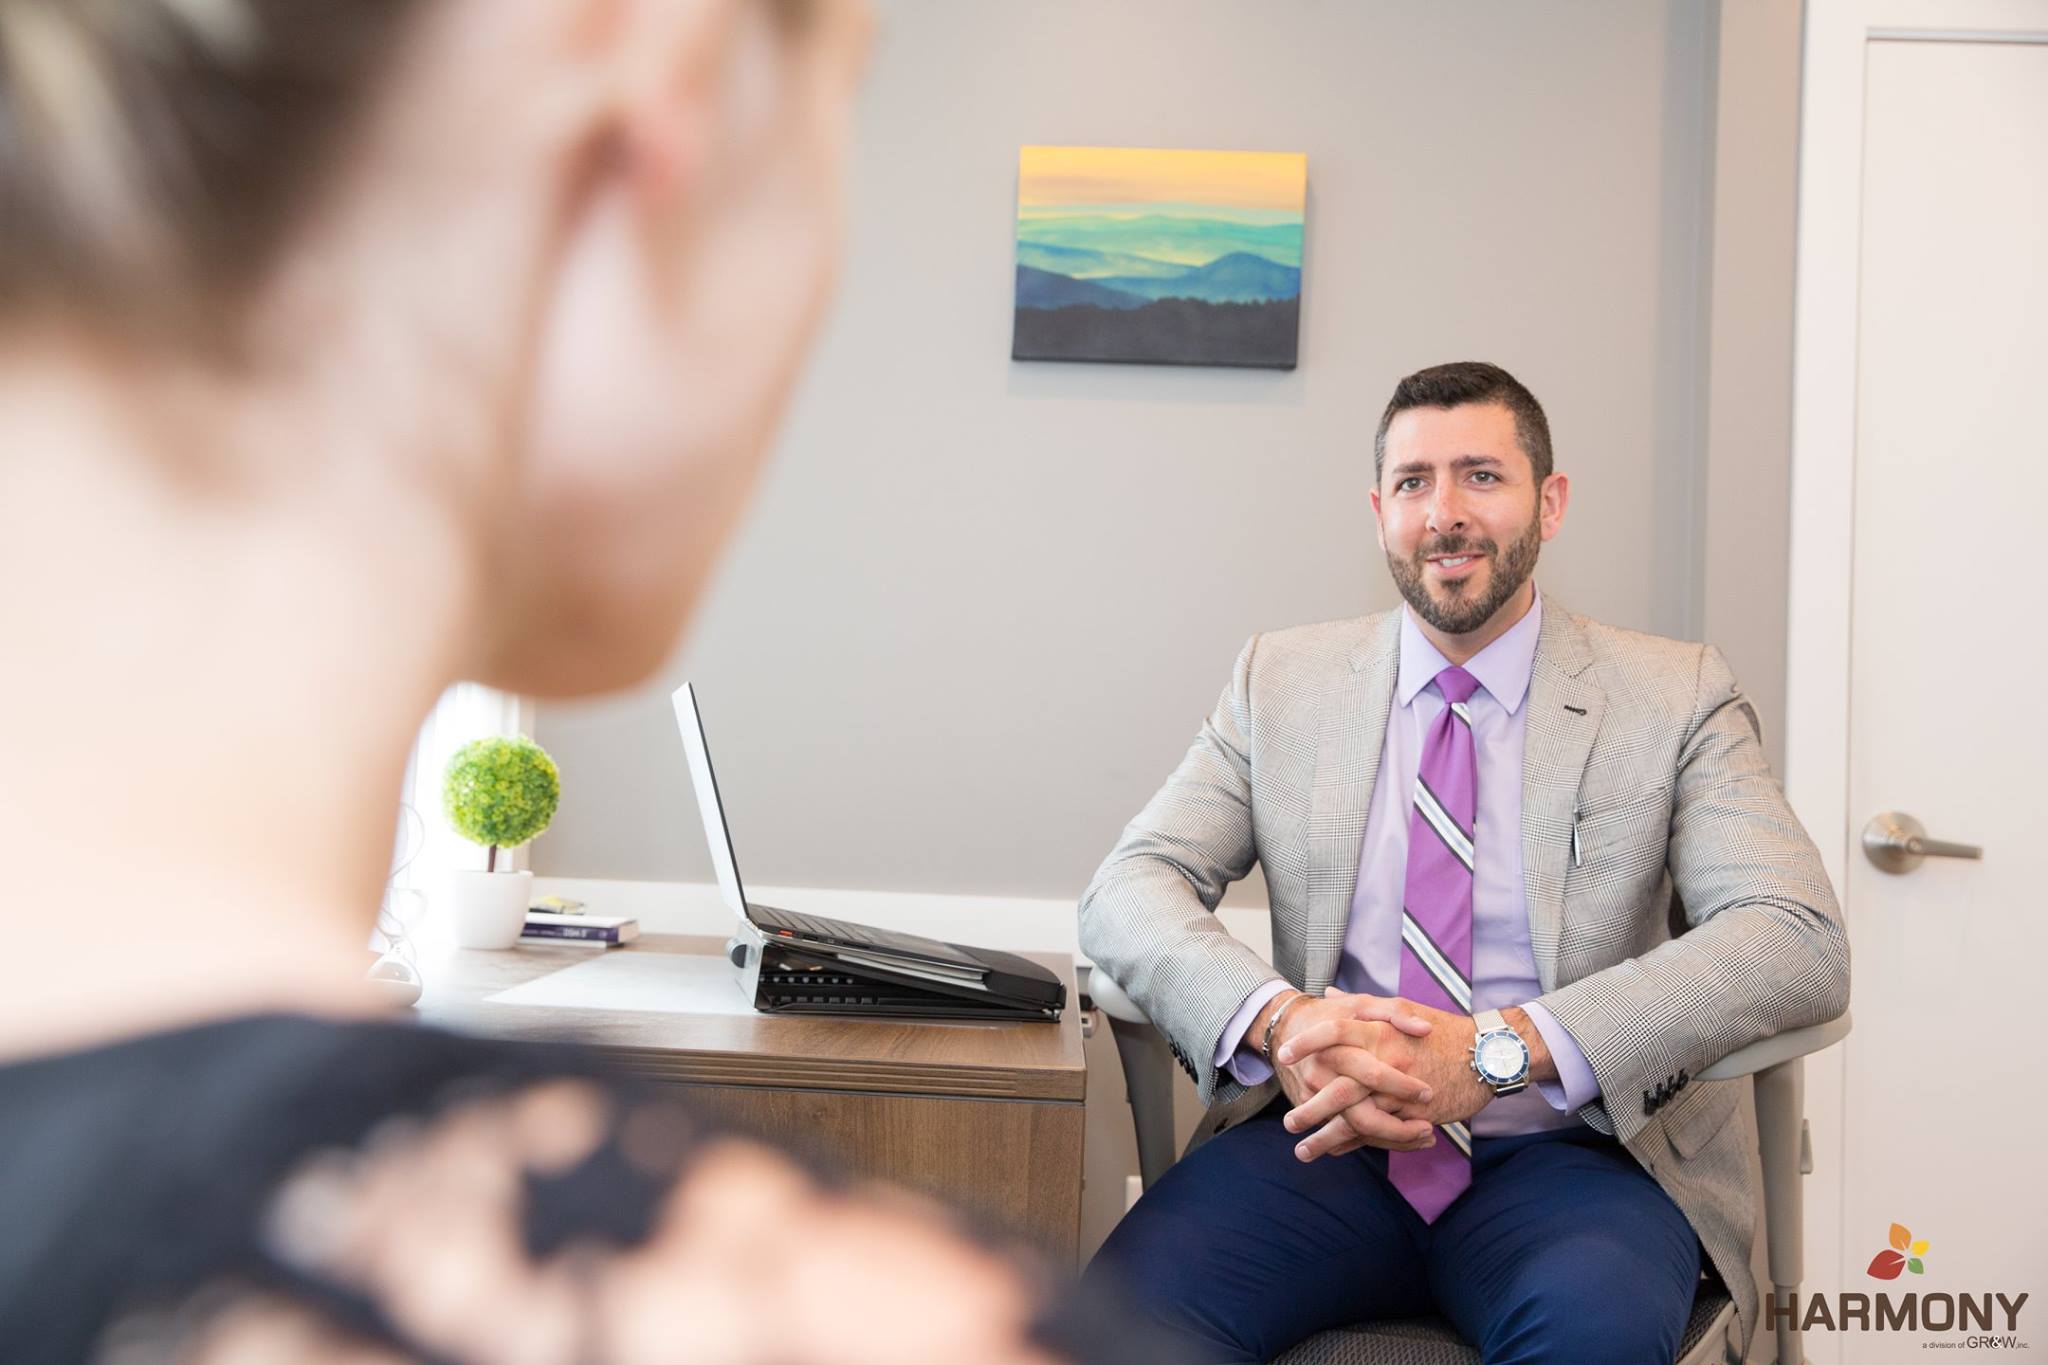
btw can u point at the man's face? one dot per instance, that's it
(1460, 516)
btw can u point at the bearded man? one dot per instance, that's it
(1529, 874)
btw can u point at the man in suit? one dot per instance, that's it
(1529, 875)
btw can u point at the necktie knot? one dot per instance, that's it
(1456, 684)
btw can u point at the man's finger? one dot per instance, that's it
(1400, 1109)
(1396, 1011)
(1370, 1126)
(1345, 1148)
(1317, 1036)
(1403, 1135)
(1328, 1032)
(1317, 1071)
(1332, 1100)
(1364, 1066)
(1373, 1075)
(1325, 1140)
(1335, 1043)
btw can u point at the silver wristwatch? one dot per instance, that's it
(1499, 1055)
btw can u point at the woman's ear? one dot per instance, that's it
(672, 61)
(665, 66)
(696, 236)
(663, 146)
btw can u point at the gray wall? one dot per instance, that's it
(982, 606)
(1745, 508)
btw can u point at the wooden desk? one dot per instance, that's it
(985, 1115)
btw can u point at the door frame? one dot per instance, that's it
(1817, 654)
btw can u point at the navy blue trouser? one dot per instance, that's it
(1563, 1249)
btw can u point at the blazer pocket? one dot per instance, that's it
(1645, 820)
(1694, 1117)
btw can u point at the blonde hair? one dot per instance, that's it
(154, 153)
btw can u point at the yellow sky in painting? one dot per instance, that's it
(1127, 175)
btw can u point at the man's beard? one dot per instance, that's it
(1463, 614)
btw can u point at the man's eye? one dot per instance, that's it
(1406, 484)
(1483, 474)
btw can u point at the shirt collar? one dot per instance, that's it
(1502, 668)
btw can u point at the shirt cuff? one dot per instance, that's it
(1575, 1086)
(1232, 1053)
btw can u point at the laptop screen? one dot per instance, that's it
(708, 805)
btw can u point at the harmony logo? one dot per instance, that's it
(1887, 1264)
(1982, 1311)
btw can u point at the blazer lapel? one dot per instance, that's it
(1565, 710)
(1351, 733)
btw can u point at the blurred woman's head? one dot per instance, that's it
(538, 271)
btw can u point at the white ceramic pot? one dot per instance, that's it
(487, 909)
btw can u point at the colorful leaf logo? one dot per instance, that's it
(1886, 1265)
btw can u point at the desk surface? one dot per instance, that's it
(985, 1059)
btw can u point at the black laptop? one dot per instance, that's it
(791, 963)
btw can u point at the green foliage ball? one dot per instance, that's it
(501, 791)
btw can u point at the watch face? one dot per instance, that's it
(1502, 1056)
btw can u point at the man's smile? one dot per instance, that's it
(1453, 566)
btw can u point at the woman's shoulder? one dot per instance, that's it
(147, 1169)
(283, 1187)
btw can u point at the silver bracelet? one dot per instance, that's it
(1266, 1042)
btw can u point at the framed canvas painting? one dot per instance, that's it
(1159, 257)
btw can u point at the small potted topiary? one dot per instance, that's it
(499, 792)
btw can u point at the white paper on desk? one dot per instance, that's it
(667, 983)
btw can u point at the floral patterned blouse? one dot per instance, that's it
(282, 1188)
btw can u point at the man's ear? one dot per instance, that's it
(1379, 531)
(1557, 490)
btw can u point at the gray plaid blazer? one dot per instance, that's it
(1697, 920)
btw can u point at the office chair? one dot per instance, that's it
(1709, 1337)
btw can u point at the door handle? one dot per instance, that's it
(1895, 842)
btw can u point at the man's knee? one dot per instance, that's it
(1594, 1318)
(1159, 1274)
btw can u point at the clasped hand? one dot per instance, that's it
(1378, 1071)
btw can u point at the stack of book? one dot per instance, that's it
(544, 926)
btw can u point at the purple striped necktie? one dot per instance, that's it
(1436, 922)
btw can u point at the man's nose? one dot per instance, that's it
(1446, 512)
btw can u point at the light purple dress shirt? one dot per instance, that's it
(1503, 964)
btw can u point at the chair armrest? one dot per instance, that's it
(1148, 1073)
(1780, 1129)
(1768, 1052)
(1111, 1000)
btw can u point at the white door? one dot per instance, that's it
(1942, 302)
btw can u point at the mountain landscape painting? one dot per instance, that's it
(1159, 257)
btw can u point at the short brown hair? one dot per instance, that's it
(1470, 381)
(154, 154)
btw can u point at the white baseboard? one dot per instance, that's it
(1012, 924)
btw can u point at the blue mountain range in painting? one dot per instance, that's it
(1045, 289)
(1239, 277)
(1169, 287)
